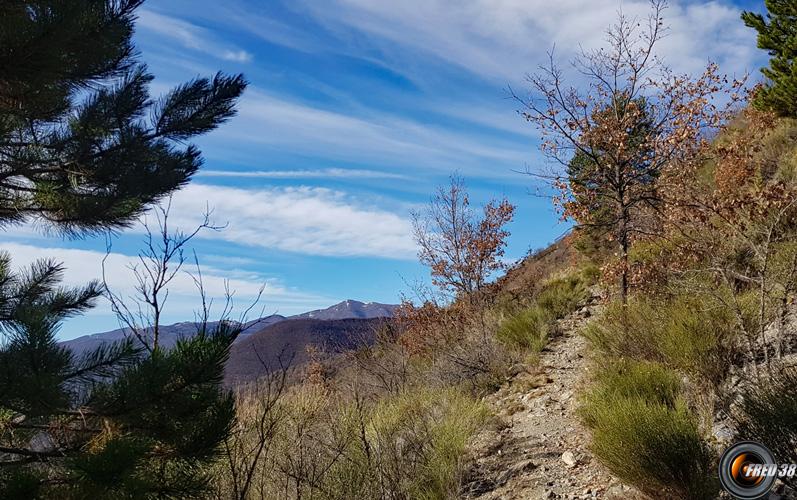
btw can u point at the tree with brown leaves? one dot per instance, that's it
(735, 234)
(631, 120)
(461, 250)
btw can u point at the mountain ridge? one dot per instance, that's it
(287, 343)
(169, 334)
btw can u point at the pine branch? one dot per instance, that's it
(105, 361)
(198, 106)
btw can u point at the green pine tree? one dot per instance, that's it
(97, 164)
(84, 148)
(777, 33)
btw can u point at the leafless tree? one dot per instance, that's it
(162, 258)
(260, 415)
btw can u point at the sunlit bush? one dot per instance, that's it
(684, 333)
(528, 330)
(643, 431)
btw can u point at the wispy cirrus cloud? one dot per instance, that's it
(502, 40)
(191, 36)
(303, 220)
(266, 121)
(323, 173)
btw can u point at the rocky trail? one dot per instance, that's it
(541, 450)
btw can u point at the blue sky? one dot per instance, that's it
(356, 110)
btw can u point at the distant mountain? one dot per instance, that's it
(167, 335)
(351, 309)
(348, 309)
(288, 340)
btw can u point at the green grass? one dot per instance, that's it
(560, 297)
(529, 329)
(626, 379)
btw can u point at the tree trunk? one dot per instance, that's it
(624, 276)
(624, 243)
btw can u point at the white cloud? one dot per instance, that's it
(268, 121)
(190, 36)
(307, 220)
(82, 266)
(241, 56)
(504, 39)
(324, 173)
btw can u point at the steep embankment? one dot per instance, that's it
(541, 450)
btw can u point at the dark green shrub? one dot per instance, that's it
(776, 35)
(682, 333)
(643, 431)
(526, 330)
(768, 414)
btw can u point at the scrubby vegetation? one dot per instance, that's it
(698, 326)
(644, 431)
(768, 414)
(395, 417)
(693, 335)
(530, 328)
(682, 193)
(406, 445)
(658, 449)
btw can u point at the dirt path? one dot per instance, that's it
(542, 451)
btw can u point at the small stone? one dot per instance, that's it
(569, 459)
